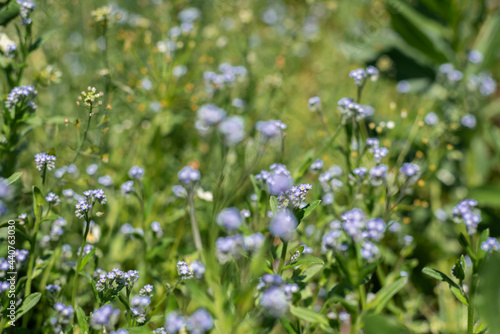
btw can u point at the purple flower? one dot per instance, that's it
(229, 218)
(283, 225)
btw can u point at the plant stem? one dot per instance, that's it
(472, 296)
(29, 275)
(283, 256)
(194, 223)
(77, 269)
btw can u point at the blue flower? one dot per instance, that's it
(200, 322)
(136, 172)
(283, 225)
(274, 302)
(490, 245)
(233, 129)
(174, 323)
(43, 160)
(188, 175)
(229, 218)
(104, 318)
(314, 104)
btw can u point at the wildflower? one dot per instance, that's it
(466, 211)
(374, 229)
(475, 57)
(373, 73)
(403, 87)
(344, 316)
(179, 191)
(290, 289)
(238, 103)
(200, 322)
(85, 205)
(105, 180)
(26, 7)
(351, 110)
(190, 14)
(147, 290)
(63, 318)
(360, 172)
(469, 121)
(52, 199)
(233, 130)
(104, 318)
(245, 213)
(44, 160)
(227, 247)
(379, 153)
(156, 228)
(294, 196)
(253, 242)
(314, 104)
(136, 172)
(119, 331)
(270, 129)
(369, 251)
(229, 218)
(431, 119)
(378, 174)
(91, 169)
(138, 307)
(53, 288)
(86, 250)
(184, 271)
(188, 175)
(174, 323)
(283, 225)
(455, 76)
(160, 330)
(22, 95)
(353, 223)
(198, 269)
(327, 199)
(274, 302)
(90, 97)
(209, 114)
(317, 165)
(278, 180)
(411, 171)
(358, 75)
(127, 187)
(490, 245)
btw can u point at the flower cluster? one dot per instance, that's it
(294, 196)
(138, 307)
(85, 205)
(90, 97)
(314, 104)
(355, 225)
(198, 323)
(229, 218)
(271, 128)
(26, 7)
(226, 77)
(136, 172)
(233, 246)
(56, 231)
(188, 175)
(490, 245)
(276, 297)
(44, 160)
(232, 128)
(63, 318)
(351, 110)
(147, 291)
(115, 280)
(466, 212)
(22, 95)
(278, 179)
(359, 75)
(283, 225)
(104, 318)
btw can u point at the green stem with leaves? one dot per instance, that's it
(283, 256)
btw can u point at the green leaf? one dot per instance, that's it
(28, 304)
(385, 294)
(9, 12)
(87, 258)
(458, 270)
(455, 289)
(273, 202)
(465, 244)
(487, 195)
(14, 177)
(311, 271)
(487, 298)
(480, 327)
(289, 328)
(124, 301)
(82, 320)
(305, 260)
(301, 214)
(304, 166)
(309, 315)
(38, 201)
(376, 324)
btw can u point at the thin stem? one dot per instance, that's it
(283, 256)
(31, 264)
(325, 124)
(472, 297)
(80, 257)
(194, 223)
